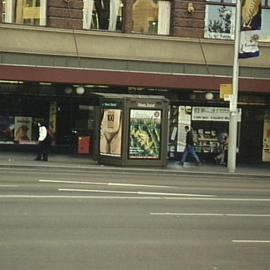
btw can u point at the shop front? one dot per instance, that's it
(207, 124)
(70, 116)
(209, 121)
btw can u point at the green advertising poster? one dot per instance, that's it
(145, 133)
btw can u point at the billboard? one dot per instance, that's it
(110, 143)
(144, 134)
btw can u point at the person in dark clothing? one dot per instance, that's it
(221, 158)
(189, 149)
(44, 141)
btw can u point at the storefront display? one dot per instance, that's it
(17, 129)
(23, 129)
(207, 123)
(266, 138)
(6, 129)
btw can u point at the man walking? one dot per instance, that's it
(189, 149)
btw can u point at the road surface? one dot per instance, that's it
(57, 219)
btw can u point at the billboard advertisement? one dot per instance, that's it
(110, 143)
(144, 134)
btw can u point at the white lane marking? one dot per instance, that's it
(224, 199)
(99, 183)
(252, 241)
(9, 185)
(209, 214)
(29, 196)
(133, 192)
(118, 197)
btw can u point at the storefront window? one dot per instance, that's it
(102, 15)
(31, 12)
(18, 129)
(220, 19)
(151, 17)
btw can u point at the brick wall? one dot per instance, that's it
(127, 16)
(65, 14)
(68, 14)
(184, 24)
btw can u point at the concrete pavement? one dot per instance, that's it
(83, 162)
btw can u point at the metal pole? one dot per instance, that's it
(234, 98)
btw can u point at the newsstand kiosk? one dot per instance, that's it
(132, 130)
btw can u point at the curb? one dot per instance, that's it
(164, 171)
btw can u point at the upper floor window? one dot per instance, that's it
(220, 19)
(103, 15)
(31, 12)
(265, 33)
(151, 17)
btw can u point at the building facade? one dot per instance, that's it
(56, 54)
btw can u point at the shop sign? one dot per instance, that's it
(220, 114)
(111, 104)
(146, 105)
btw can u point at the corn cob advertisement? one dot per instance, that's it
(145, 132)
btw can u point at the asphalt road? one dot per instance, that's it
(54, 219)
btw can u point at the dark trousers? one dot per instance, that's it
(42, 151)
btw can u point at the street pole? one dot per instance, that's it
(231, 163)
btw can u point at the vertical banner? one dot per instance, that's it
(184, 119)
(52, 116)
(266, 138)
(250, 28)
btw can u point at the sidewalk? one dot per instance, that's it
(73, 162)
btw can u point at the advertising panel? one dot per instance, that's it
(23, 129)
(111, 132)
(144, 134)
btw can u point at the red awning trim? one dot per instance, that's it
(119, 78)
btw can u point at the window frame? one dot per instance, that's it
(89, 10)
(10, 13)
(159, 30)
(232, 3)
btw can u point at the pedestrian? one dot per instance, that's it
(44, 140)
(189, 148)
(223, 148)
